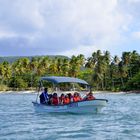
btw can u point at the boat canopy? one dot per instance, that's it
(58, 79)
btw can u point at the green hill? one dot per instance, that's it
(12, 59)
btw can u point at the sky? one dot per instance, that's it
(68, 27)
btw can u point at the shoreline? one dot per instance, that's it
(94, 92)
(19, 92)
(35, 92)
(133, 91)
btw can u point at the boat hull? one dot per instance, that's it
(93, 106)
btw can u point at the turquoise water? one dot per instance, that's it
(120, 120)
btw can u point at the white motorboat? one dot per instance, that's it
(85, 106)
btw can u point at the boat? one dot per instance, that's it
(84, 106)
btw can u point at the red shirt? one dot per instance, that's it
(55, 101)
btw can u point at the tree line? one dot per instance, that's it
(100, 70)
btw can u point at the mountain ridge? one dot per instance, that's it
(12, 59)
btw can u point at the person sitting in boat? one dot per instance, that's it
(61, 99)
(44, 96)
(89, 96)
(55, 99)
(50, 99)
(79, 97)
(70, 97)
(66, 99)
(76, 97)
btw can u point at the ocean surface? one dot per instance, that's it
(120, 120)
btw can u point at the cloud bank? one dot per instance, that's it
(36, 27)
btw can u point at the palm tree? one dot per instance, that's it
(106, 63)
(114, 70)
(116, 60)
(81, 59)
(59, 65)
(75, 66)
(98, 62)
(21, 66)
(1, 72)
(88, 63)
(65, 67)
(135, 63)
(53, 69)
(37, 66)
(107, 57)
(126, 58)
(44, 65)
(5, 71)
(33, 64)
(122, 72)
(91, 61)
(98, 76)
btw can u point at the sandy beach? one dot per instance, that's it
(18, 92)
(35, 92)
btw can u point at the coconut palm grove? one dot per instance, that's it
(101, 70)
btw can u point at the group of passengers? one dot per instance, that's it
(53, 99)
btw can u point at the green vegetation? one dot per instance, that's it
(12, 59)
(101, 70)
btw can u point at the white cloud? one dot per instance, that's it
(65, 27)
(133, 1)
(4, 33)
(136, 35)
(86, 50)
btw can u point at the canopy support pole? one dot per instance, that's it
(73, 86)
(40, 84)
